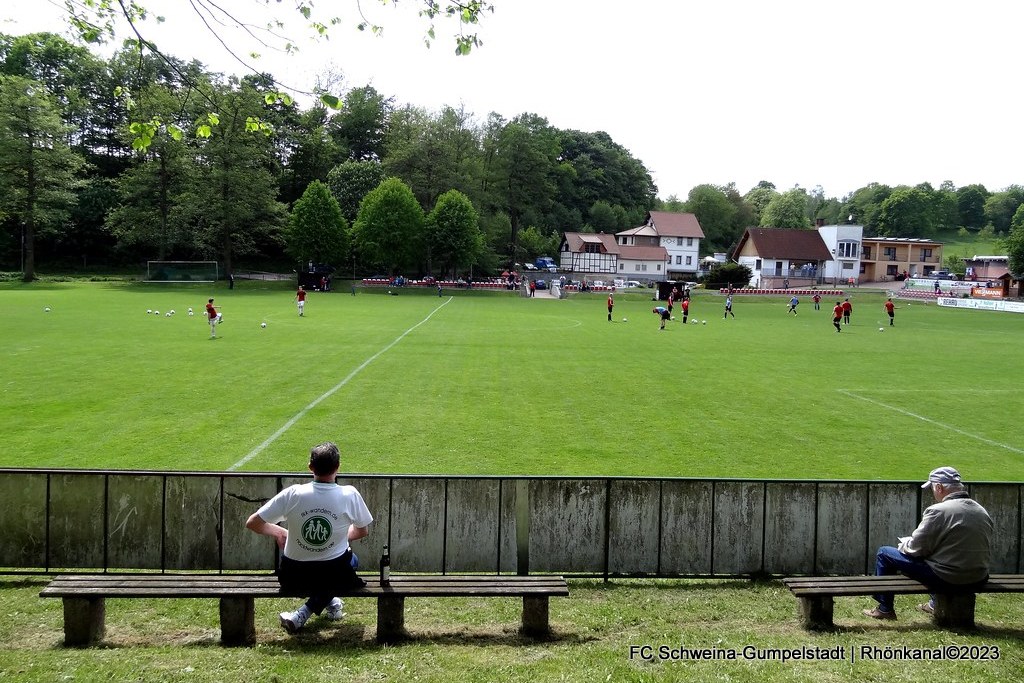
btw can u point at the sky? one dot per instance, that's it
(797, 92)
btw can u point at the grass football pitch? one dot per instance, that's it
(490, 383)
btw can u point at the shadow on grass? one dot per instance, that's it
(354, 636)
(980, 630)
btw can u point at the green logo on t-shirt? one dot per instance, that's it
(316, 531)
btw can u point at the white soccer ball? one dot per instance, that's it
(46, 310)
(703, 322)
(263, 324)
(881, 329)
(190, 310)
(625, 320)
(172, 311)
(167, 314)
(191, 313)
(156, 312)
(149, 310)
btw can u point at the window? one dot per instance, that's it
(689, 260)
(644, 266)
(847, 249)
(847, 265)
(659, 267)
(926, 254)
(622, 266)
(890, 253)
(679, 241)
(689, 241)
(757, 264)
(679, 260)
(866, 254)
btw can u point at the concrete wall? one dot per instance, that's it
(646, 527)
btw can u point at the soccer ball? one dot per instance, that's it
(191, 313)
(172, 311)
(703, 322)
(156, 312)
(263, 324)
(167, 314)
(46, 310)
(149, 310)
(881, 329)
(625, 320)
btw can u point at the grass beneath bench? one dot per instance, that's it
(476, 639)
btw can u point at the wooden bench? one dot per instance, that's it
(85, 610)
(952, 610)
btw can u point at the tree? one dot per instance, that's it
(729, 273)
(907, 212)
(359, 129)
(1001, 206)
(715, 212)
(231, 207)
(1014, 243)
(37, 167)
(350, 181)
(758, 198)
(317, 231)
(970, 201)
(453, 232)
(388, 231)
(787, 210)
(864, 205)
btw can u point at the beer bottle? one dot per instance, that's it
(385, 567)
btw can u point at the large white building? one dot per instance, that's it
(844, 243)
(679, 234)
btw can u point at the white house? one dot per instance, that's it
(781, 257)
(600, 254)
(844, 243)
(679, 234)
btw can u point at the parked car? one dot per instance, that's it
(546, 263)
(542, 284)
(943, 275)
(597, 283)
(630, 284)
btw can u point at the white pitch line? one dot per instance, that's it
(302, 413)
(930, 421)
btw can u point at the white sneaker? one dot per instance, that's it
(293, 621)
(335, 610)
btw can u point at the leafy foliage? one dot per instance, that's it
(454, 239)
(729, 273)
(786, 210)
(389, 227)
(317, 231)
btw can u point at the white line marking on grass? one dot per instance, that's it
(930, 421)
(302, 413)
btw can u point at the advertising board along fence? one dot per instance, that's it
(578, 526)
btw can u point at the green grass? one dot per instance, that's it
(475, 639)
(494, 384)
(972, 245)
(488, 383)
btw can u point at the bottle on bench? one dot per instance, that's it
(385, 567)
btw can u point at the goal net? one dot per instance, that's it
(181, 271)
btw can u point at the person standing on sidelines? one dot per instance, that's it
(837, 316)
(817, 301)
(890, 310)
(323, 519)
(728, 308)
(685, 306)
(213, 317)
(671, 301)
(847, 310)
(611, 305)
(793, 304)
(300, 299)
(663, 312)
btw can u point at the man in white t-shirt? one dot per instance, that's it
(316, 558)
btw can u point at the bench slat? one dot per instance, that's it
(867, 585)
(214, 586)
